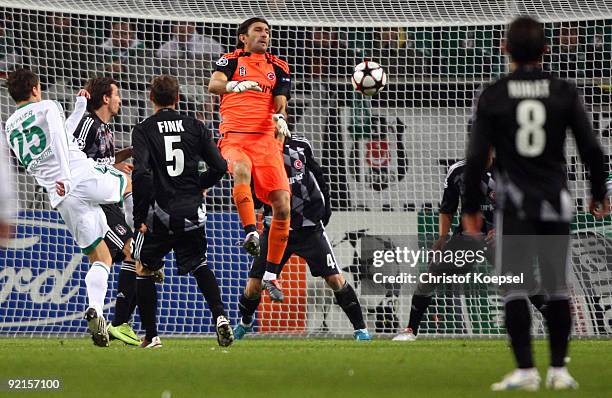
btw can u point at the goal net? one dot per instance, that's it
(385, 157)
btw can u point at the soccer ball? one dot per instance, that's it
(369, 78)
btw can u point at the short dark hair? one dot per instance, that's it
(243, 29)
(98, 87)
(525, 40)
(164, 90)
(20, 84)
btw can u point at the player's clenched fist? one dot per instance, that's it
(242, 86)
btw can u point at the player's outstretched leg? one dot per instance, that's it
(518, 324)
(247, 305)
(207, 283)
(277, 242)
(96, 282)
(348, 301)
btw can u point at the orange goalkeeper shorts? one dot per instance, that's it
(264, 155)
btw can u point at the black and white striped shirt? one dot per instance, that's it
(96, 139)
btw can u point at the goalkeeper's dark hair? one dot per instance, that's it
(164, 90)
(20, 84)
(525, 40)
(243, 29)
(98, 87)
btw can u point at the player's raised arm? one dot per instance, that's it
(59, 143)
(142, 177)
(217, 166)
(589, 149)
(80, 106)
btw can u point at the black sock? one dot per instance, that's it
(273, 268)
(559, 321)
(539, 301)
(147, 305)
(210, 289)
(247, 307)
(417, 310)
(250, 228)
(518, 325)
(126, 293)
(348, 301)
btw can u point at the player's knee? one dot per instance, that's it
(102, 254)
(253, 288)
(335, 282)
(242, 172)
(281, 204)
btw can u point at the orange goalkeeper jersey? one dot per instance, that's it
(251, 111)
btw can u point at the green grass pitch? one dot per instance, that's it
(289, 368)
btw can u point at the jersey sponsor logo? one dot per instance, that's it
(222, 61)
(242, 71)
(296, 178)
(297, 164)
(271, 76)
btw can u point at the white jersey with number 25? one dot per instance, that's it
(41, 138)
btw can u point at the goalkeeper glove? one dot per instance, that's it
(241, 86)
(281, 125)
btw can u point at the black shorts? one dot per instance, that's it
(189, 249)
(119, 233)
(525, 246)
(311, 244)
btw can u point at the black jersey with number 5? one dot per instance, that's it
(525, 116)
(167, 183)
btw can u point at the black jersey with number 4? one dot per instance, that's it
(525, 116)
(167, 183)
(310, 200)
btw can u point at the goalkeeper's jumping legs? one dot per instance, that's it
(279, 235)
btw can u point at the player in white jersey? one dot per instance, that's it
(42, 139)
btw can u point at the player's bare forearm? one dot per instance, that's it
(445, 221)
(123, 154)
(218, 83)
(217, 86)
(280, 105)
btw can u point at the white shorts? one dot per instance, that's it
(81, 209)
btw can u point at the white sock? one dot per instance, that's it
(96, 281)
(269, 276)
(128, 209)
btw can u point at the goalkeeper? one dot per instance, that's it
(310, 212)
(254, 87)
